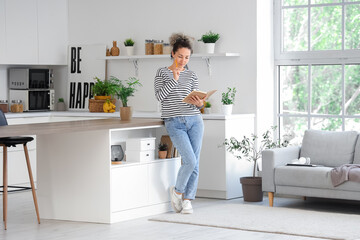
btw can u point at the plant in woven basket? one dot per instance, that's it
(105, 88)
(248, 149)
(125, 88)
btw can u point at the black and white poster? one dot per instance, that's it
(85, 63)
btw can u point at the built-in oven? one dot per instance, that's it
(35, 100)
(33, 86)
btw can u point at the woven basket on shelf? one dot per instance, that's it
(97, 105)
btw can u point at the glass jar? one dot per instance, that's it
(167, 48)
(16, 106)
(4, 106)
(158, 47)
(149, 47)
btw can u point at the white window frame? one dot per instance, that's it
(306, 57)
(309, 58)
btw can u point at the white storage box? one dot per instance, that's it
(140, 156)
(140, 144)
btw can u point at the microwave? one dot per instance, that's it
(34, 100)
(28, 78)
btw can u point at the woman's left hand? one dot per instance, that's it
(197, 101)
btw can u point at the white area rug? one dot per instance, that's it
(271, 220)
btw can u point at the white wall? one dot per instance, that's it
(94, 22)
(265, 67)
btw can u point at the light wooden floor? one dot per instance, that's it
(22, 223)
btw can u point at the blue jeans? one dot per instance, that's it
(186, 133)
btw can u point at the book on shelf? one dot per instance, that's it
(200, 94)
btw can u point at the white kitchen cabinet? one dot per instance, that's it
(21, 32)
(129, 187)
(162, 175)
(2, 32)
(77, 182)
(52, 28)
(35, 32)
(220, 171)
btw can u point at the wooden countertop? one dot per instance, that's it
(72, 126)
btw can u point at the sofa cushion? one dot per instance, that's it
(357, 151)
(329, 148)
(310, 177)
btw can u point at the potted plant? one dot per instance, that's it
(129, 45)
(209, 39)
(163, 147)
(102, 90)
(60, 106)
(227, 100)
(207, 109)
(124, 91)
(250, 150)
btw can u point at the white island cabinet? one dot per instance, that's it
(76, 180)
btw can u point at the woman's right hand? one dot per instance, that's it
(176, 73)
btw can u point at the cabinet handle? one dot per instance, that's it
(147, 155)
(148, 144)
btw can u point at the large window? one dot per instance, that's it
(317, 44)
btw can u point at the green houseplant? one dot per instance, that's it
(106, 88)
(60, 105)
(209, 39)
(163, 147)
(207, 109)
(125, 90)
(251, 149)
(102, 90)
(228, 99)
(129, 46)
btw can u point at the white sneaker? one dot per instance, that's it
(176, 200)
(186, 207)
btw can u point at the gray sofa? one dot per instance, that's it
(330, 149)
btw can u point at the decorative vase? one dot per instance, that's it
(227, 109)
(209, 47)
(125, 113)
(162, 154)
(129, 50)
(207, 110)
(115, 51)
(60, 106)
(252, 189)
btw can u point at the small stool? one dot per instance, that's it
(6, 142)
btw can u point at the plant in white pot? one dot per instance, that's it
(228, 99)
(251, 149)
(209, 39)
(129, 46)
(126, 90)
(60, 106)
(207, 109)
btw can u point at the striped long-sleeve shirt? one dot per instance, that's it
(170, 92)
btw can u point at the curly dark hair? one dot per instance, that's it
(180, 40)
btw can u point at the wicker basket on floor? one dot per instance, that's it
(97, 105)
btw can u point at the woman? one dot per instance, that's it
(183, 121)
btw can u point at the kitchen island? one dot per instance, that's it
(76, 180)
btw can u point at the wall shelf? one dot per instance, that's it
(135, 58)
